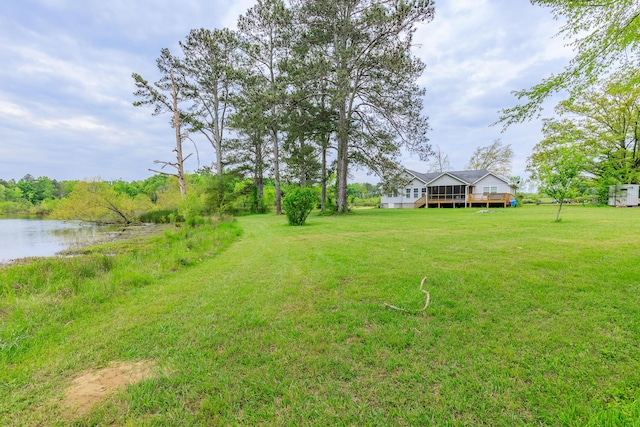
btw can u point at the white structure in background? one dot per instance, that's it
(624, 195)
(459, 189)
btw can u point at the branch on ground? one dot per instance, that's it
(426, 303)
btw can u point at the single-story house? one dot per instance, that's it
(624, 195)
(458, 189)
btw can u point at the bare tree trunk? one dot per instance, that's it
(176, 125)
(179, 164)
(559, 208)
(276, 167)
(303, 163)
(323, 201)
(259, 175)
(340, 43)
(343, 160)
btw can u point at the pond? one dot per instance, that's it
(30, 237)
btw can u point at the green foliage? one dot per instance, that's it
(363, 194)
(194, 221)
(540, 330)
(602, 125)
(562, 176)
(164, 216)
(222, 194)
(370, 201)
(298, 204)
(605, 37)
(339, 43)
(99, 202)
(256, 202)
(48, 294)
(30, 195)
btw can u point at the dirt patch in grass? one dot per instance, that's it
(93, 387)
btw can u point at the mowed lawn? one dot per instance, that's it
(530, 322)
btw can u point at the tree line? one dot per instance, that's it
(300, 91)
(593, 143)
(155, 199)
(43, 195)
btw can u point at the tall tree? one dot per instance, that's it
(308, 127)
(364, 49)
(495, 157)
(313, 117)
(439, 161)
(211, 76)
(605, 36)
(604, 125)
(266, 32)
(253, 150)
(166, 95)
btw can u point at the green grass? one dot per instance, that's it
(531, 322)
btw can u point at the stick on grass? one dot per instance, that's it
(426, 303)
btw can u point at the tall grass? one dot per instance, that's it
(531, 322)
(40, 296)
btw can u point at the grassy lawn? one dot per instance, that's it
(530, 322)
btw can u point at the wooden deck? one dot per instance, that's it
(484, 200)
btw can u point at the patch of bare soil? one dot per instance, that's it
(94, 387)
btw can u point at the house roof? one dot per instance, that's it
(425, 177)
(468, 177)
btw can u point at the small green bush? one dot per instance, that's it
(298, 204)
(194, 221)
(163, 216)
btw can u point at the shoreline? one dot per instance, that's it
(79, 247)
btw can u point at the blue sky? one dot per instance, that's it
(66, 90)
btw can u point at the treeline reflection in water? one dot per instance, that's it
(27, 237)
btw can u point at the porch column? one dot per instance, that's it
(426, 196)
(466, 195)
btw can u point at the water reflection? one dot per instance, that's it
(23, 237)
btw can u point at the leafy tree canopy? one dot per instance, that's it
(603, 124)
(561, 177)
(494, 158)
(605, 36)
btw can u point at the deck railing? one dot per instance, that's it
(487, 199)
(490, 197)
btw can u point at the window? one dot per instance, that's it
(487, 190)
(415, 193)
(408, 192)
(424, 190)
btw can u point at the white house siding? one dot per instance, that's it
(404, 200)
(445, 180)
(491, 181)
(401, 200)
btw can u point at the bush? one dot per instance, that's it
(194, 221)
(298, 204)
(163, 216)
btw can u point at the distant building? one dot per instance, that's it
(458, 189)
(624, 195)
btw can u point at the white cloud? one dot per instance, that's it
(66, 87)
(477, 53)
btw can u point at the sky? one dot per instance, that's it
(66, 90)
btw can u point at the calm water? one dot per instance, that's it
(20, 238)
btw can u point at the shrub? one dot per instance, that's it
(163, 216)
(194, 221)
(298, 203)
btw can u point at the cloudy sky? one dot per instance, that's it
(66, 90)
